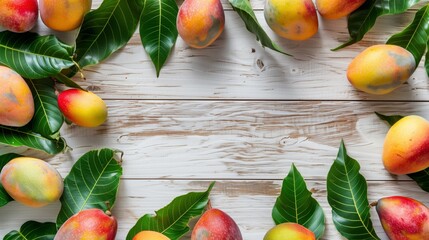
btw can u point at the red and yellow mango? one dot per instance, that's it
(215, 224)
(338, 8)
(18, 15)
(150, 235)
(63, 15)
(291, 231)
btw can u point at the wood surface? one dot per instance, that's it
(240, 115)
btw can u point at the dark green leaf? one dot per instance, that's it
(64, 79)
(34, 56)
(24, 136)
(32, 230)
(347, 195)
(389, 119)
(48, 118)
(158, 31)
(363, 19)
(245, 11)
(295, 204)
(4, 196)
(92, 182)
(172, 220)
(106, 30)
(415, 36)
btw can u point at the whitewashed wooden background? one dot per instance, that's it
(240, 115)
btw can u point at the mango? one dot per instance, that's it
(91, 224)
(16, 100)
(83, 108)
(380, 69)
(403, 218)
(406, 146)
(292, 19)
(215, 224)
(338, 8)
(150, 235)
(31, 181)
(18, 15)
(289, 230)
(63, 15)
(200, 23)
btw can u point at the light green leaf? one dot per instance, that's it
(415, 36)
(158, 31)
(363, 19)
(48, 118)
(106, 30)
(347, 195)
(4, 196)
(34, 56)
(245, 11)
(32, 230)
(172, 220)
(92, 182)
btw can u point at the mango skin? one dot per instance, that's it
(406, 146)
(83, 108)
(215, 224)
(16, 100)
(380, 69)
(31, 181)
(63, 15)
(91, 224)
(403, 218)
(289, 230)
(292, 19)
(18, 15)
(337, 9)
(200, 23)
(150, 235)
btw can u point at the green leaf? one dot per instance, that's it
(347, 195)
(295, 204)
(245, 11)
(363, 19)
(158, 31)
(422, 177)
(4, 196)
(34, 56)
(415, 36)
(32, 230)
(106, 30)
(64, 79)
(172, 220)
(92, 182)
(48, 118)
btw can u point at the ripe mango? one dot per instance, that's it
(91, 224)
(31, 181)
(338, 8)
(380, 69)
(215, 224)
(291, 231)
(82, 108)
(16, 100)
(18, 15)
(406, 146)
(63, 15)
(403, 218)
(200, 23)
(292, 19)
(150, 235)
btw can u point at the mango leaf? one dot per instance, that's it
(48, 118)
(106, 30)
(158, 31)
(172, 220)
(34, 56)
(32, 230)
(92, 182)
(415, 36)
(347, 195)
(64, 79)
(295, 204)
(422, 177)
(245, 11)
(363, 19)
(4, 196)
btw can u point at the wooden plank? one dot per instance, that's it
(248, 202)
